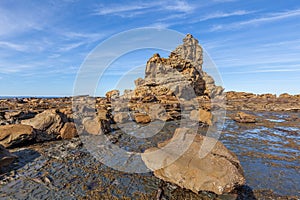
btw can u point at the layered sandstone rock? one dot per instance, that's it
(49, 121)
(202, 116)
(68, 131)
(96, 126)
(169, 84)
(16, 134)
(219, 171)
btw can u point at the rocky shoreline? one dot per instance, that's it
(172, 120)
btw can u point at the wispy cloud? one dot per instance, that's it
(68, 47)
(143, 8)
(256, 21)
(264, 71)
(13, 46)
(218, 15)
(223, 1)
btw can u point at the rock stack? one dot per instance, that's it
(171, 86)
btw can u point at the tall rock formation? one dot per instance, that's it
(181, 74)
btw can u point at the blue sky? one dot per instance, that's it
(255, 44)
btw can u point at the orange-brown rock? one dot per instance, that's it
(96, 126)
(16, 134)
(219, 171)
(49, 121)
(202, 116)
(113, 94)
(244, 118)
(68, 131)
(142, 118)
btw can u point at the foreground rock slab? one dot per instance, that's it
(12, 135)
(219, 171)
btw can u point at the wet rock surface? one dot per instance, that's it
(268, 151)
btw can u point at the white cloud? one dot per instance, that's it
(265, 19)
(18, 20)
(143, 8)
(223, 1)
(13, 46)
(180, 6)
(68, 47)
(264, 71)
(218, 15)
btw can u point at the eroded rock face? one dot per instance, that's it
(113, 94)
(68, 131)
(96, 126)
(121, 117)
(169, 83)
(6, 158)
(166, 76)
(219, 171)
(242, 117)
(191, 51)
(16, 134)
(202, 116)
(49, 121)
(142, 118)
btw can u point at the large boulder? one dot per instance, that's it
(219, 171)
(96, 126)
(49, 121)
(68, 131)
(6, 158)
(121, 117)
(16, 134)
(141, 118)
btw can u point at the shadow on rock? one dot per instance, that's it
(245, 193)
(25, 156)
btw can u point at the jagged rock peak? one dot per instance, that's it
(190, 39)
(191, 51)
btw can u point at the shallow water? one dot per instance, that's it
(269, 151)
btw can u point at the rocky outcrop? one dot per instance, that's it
(49, 121)
(262, 102)
(219, 171)
(191, 51)
(168, 84)
(16, 134)
(242, 117)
